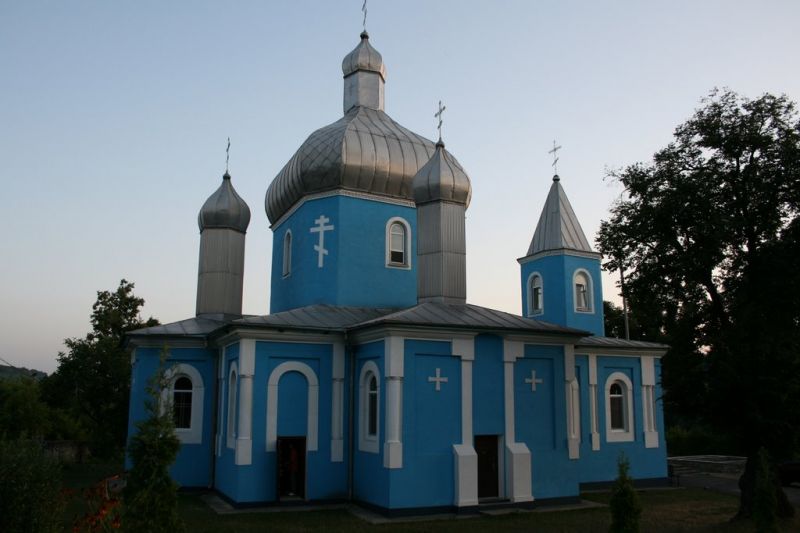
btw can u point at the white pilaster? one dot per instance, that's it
(593, 402)
(518, 456)
(337, 404)
(393, 447)
(220, 400)
(572, 392)
(465, 457)
(648, 401)
(244, 437)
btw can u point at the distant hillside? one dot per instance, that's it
(8, 372)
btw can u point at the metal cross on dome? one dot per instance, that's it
(554, 151)
(227, 154)
(364, 9)
(438, 115)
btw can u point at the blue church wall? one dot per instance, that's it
(558, 302)
(354, 271)
(226, 475)
(371, 479)
(488, 404)
(431, 425)
(192, 466)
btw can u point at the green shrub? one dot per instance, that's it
(30, 488)
(625, 506)
(765, 501)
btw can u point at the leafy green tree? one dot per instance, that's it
(708, 235)
(626, 509)
(92, 381)
(22, 411)
(150, 497)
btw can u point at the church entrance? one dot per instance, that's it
(486, 447)
(291, 468)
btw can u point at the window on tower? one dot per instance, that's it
(287, 253)
(535, 295)
(583, 291)
(398, 243)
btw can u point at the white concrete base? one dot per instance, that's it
(466, 478)
(595, 441)
(518, 468)
(651, 439)
(244, 451)
(393, 454)
(337, 450)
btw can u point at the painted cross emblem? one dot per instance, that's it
(533, 380)
(321, 227)
(437, 379)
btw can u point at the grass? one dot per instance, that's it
(667, 510)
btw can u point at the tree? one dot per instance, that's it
(624, 504)
(150, 497)
(708, 237)
(93, 377)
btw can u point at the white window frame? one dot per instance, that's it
(531, 310)
(287, 253)
(366, 442)
(589, 291)
(406, 264)
(626, 434)
(233, 400)
(194, 433)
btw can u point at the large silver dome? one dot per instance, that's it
(224, 209)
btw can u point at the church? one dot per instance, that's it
(372, 379)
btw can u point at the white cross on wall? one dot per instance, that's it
(533, 381)
(321, 228)
(438, 379)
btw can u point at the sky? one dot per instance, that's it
(114, 118)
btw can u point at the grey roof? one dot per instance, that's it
(224, 209)
(363, 57)
(191, 327)
(435, 314)
(613, 342)
(558, 227)
(363, 151)
(317, 317)
(442, 178)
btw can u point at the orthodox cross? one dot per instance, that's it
(533, 381)
(438, 379)
(227, 154)
(321, 227)
(554, 151)
(364, 9)
(438, 115)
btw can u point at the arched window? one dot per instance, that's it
(583, 291)
(232, 400)
(182, 403)
(619, 408)
(369, 408)
(287, 253)
(535, 295)
(398, 243)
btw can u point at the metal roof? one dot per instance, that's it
(191, 327)
(442, 178)
(224, 209)
(613, 342)
(558, 227)
(363, 57)
(317, 317)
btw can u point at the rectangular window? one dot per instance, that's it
(182, 409)
(580, 296)
(372, 410)
(537, 298)
(616, 408)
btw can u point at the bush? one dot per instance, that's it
(30, 488)
(765, 501)
(625, 506)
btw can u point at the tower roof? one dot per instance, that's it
(442, 178)
(558, 227)
(363, 57)
(224, 209)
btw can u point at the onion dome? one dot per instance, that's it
(558, 227)
(224, 209)
(442, 179)
(363, 57)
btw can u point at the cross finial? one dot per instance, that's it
(554, 151)
(438, 115)
(364, 9)
(227, 155)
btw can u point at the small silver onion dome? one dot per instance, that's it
(224, 209)
(442, 178)
(363, 57)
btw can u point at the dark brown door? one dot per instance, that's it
(291, 467)
(488, 472)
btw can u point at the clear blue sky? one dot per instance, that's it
(114, 115)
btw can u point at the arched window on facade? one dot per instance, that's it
(398, 243)
(583, 291)
(535, 295)
(619, 408)
(182, 402)
(369, 407)
(372, 406)
(287, 253)
(232, 400)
